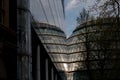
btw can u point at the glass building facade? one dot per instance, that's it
(94, 50)
(90, 53)
(32, 63)
(34, 40)
(54, 40)
(49, 23)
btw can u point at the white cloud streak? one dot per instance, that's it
(72, 4)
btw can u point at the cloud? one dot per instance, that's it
(72, 4)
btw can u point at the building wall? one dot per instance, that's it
(15, 46)
(8, 47)
(4, 11)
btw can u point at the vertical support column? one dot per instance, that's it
(38, 63)
(46, 69)
(56, 77)
(23, 39)
(52, 74)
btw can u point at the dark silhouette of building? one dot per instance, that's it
(8, 43)
(22, 55)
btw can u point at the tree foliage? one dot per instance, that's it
(83, 17)
(102, 9)
(101, 40)
(107, 8)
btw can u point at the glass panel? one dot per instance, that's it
(49, 11)
(60, 57)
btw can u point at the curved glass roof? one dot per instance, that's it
(83, 51)
(54, 41)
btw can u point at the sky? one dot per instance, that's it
(72, 10)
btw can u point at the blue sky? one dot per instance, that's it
(72, 10)
(71, 13)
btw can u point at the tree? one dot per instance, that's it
(101, 42)
(83, 17)
(107, 8)
(103, 38)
